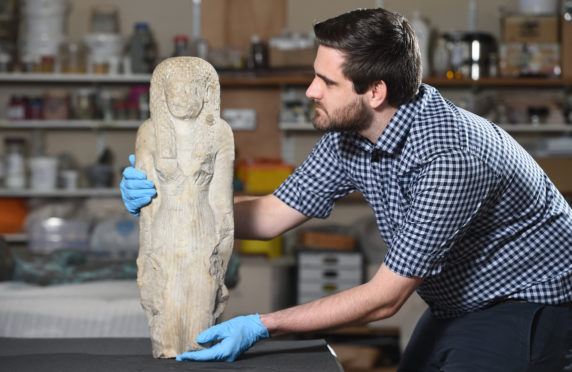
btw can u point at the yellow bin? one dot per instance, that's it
(270, 248)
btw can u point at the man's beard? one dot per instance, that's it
(354, 117)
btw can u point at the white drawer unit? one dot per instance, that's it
(321, 273)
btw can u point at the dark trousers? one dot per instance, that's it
(511, 336)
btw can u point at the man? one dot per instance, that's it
(470, 220)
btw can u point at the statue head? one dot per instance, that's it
(184, 88)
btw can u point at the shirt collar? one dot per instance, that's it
(397, 129)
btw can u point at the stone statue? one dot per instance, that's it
(187, 231)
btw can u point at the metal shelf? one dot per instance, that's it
(32, 77)
(69, 124)
(15, 238)
(61, 193)
(511, 128)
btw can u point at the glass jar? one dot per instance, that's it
(73, 58)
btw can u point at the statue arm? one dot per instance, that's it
(220, 191)
(144, 150)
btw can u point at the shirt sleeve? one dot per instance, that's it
(450, 192)
(315, 185)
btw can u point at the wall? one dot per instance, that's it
(170, 17)
(445, 15)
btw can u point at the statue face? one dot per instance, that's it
(184, 98)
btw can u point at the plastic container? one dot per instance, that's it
(105, 51)
(51, 234)
(104, 18)
(14, 164)
(13, 213)
(117, 237)
(73, 58)
(423, 34)
(43, 173)
(271, 248)
(44, 7)
(258, 54)
(181, 46)
(142, 49)
(537, 7)
(69, 179)
(263, 175)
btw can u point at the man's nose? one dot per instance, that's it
(313, 91)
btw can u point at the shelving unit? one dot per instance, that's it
(237, 83)
(11, 77)
(511, 128)
(61, 193)
(69, 124)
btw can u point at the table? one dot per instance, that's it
(134, 354)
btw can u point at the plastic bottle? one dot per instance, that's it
(422, 32)
(441, 58)
(181, 46)
(15, 172)
(258, 58)
(17, 108)
(142, 49)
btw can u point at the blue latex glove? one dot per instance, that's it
(136, 190)
(236, 335)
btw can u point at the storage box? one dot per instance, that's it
(300, 57)
(322, 240)
(262, 175)
(271, 248)
(522, 59)
(322, 273)
(558, 170)
(530, 29)
(566, 38)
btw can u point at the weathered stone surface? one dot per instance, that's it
(187, 231)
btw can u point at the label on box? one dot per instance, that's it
(530, 29)
(522, 59)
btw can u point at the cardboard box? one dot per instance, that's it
(322, 240)
(530, 29)
(301, 57)
(566, 37)
(524, 59)
(558, 170)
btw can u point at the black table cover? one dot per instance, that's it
(134, 354)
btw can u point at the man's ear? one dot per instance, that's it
(377, 94)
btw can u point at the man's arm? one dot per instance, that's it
(263, 217)
(379, 298)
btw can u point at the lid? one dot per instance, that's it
(104, 9)
(141, 26)
(181, 38)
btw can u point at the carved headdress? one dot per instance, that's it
(191, 70)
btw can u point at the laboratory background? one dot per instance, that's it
(74, 88)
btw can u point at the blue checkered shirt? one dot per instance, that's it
(457, 201)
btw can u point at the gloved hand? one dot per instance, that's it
(136, 190)
(236, 335)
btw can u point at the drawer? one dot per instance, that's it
(305, 288)
(329, 259)
(329, 274)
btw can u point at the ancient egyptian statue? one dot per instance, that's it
(187, 231)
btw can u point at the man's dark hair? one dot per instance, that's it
(378, 45)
